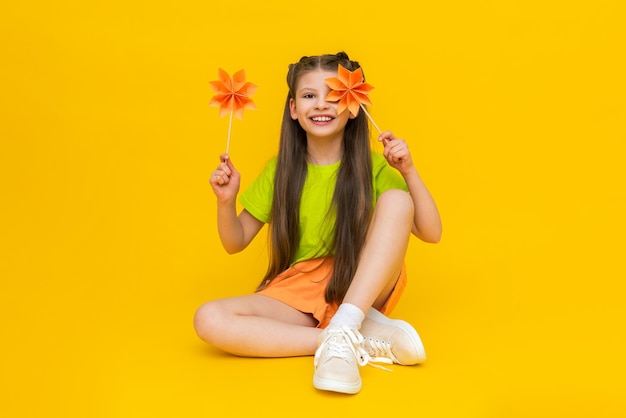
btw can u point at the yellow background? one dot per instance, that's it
(514, 111)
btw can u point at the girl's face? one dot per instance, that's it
(317, 117)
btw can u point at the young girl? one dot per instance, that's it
(340, 218)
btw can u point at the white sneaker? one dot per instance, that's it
(337, 360)
(391, 339)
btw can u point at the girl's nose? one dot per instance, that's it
(322, 103)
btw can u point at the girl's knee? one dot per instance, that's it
(206, 319)
(395, 202)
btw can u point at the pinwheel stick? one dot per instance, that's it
(230, 124)
(370, 118)
(233, 96)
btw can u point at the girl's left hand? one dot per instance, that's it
(396, 152)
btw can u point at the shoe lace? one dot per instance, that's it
(379, 350)
(347, 343)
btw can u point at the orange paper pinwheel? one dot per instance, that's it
(233, 96)
(350, 90)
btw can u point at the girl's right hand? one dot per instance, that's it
(225, 180)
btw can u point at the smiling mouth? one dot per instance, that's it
(321, 118)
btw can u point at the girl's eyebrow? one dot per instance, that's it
(307, 88)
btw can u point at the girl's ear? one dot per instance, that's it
(353, 116)
(292, 109)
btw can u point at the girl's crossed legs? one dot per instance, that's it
(259, 326)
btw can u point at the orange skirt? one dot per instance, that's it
(303, 285)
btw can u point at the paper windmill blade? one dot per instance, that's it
(233, 96)
(350, 90)
(233, 93)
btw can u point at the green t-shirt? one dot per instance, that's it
(316, 224)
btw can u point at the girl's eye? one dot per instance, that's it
(308, 95)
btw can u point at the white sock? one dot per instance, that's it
(348, 315)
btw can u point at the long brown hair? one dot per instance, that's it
(352, 200)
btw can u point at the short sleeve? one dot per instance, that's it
(385, 176)
(257, 198)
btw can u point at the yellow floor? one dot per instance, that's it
(514, 112)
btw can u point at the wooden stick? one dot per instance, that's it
(370, 118)
(230, 123)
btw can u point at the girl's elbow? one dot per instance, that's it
(434, 239)
(430, 237)
(436, 236)
(233, 249)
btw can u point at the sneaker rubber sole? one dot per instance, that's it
(334, 386)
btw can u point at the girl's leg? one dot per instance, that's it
(256, 326)
(379, 267)
(385, 248)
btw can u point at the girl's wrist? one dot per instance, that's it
(409, 171)
(227, 203)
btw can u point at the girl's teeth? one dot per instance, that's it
(321, 119)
